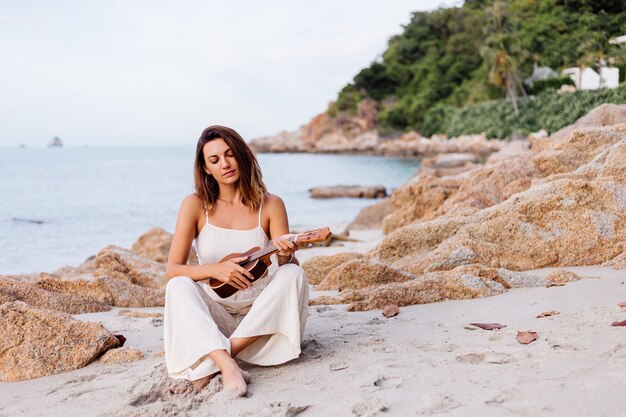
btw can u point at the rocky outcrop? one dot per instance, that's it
(357, 133)
(562, 203)
(126, 265)
(361, 273)
(155, 245)
(468, 281)
(28, 292)
(36, 342)
(427, 197)
(84, 271)
(371, 217)
(350, 191)
(446, 164)
(106, 290)
(318, 267)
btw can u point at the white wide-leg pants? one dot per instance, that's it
(196, 324)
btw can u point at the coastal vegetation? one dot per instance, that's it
(460, 70)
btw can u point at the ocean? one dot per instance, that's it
(58, 206)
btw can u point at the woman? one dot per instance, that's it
(230, 212)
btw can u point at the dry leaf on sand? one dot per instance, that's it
(555, 284)
(488, 326)
(622, 304)
(548, 314)
(619, 323)
(391, 310)
(526, 337)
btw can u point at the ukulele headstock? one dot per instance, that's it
(313, 236)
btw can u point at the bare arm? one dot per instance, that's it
(279, 227)
(184, 234)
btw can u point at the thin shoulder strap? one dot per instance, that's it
(206, 214)
(261, 211)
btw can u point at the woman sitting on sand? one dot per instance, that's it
(230, 212)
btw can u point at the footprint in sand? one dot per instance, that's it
(471, 358)
(369, 408)
(388, 381)
(618, 351)
(441, 406)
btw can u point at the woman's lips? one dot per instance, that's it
(228, 173)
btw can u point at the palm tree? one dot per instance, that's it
(502, 52)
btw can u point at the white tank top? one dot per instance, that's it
(214, 243)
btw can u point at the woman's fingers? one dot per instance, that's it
(247, 274)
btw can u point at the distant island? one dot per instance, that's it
(55, 143)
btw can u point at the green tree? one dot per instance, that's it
(502, 52)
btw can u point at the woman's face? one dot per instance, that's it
(220, 162)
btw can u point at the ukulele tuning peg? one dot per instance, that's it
(310, 245)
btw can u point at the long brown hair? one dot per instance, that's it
(251, 183)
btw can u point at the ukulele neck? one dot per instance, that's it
(268, 250)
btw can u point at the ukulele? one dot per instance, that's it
(258, 260)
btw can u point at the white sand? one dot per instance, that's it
(422, 362)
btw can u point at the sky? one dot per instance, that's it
(149, 72)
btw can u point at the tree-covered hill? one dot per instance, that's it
(454, 57)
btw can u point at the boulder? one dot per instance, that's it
(106, 290)
(36, 342)
(318, 267)
(29, 293)
(84, 271)
(371, 217)
(468, 281)
(565, 222)
(155, 244)
(361, 273)
(446, 164)
(351, 191)
(126, 265)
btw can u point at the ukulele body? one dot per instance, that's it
(258, 269)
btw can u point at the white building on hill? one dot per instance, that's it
(589, 79)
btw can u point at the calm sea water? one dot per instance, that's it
(87, 198)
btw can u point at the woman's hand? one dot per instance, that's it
(286, 248)
(231, 273)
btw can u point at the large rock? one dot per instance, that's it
(351, 191)
(318, 267)
(563, 203)
(361, 273)
(84, 271)
(446, 164)
(155, 244)
(468, 281)
(106, 290)
(126, 265)
(561, 223)
(28, 292)
(427, 197)
(371, 217)
(37, 342)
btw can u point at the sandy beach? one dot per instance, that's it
(425, 361)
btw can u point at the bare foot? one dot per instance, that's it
(235, 381)
(191, 386)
